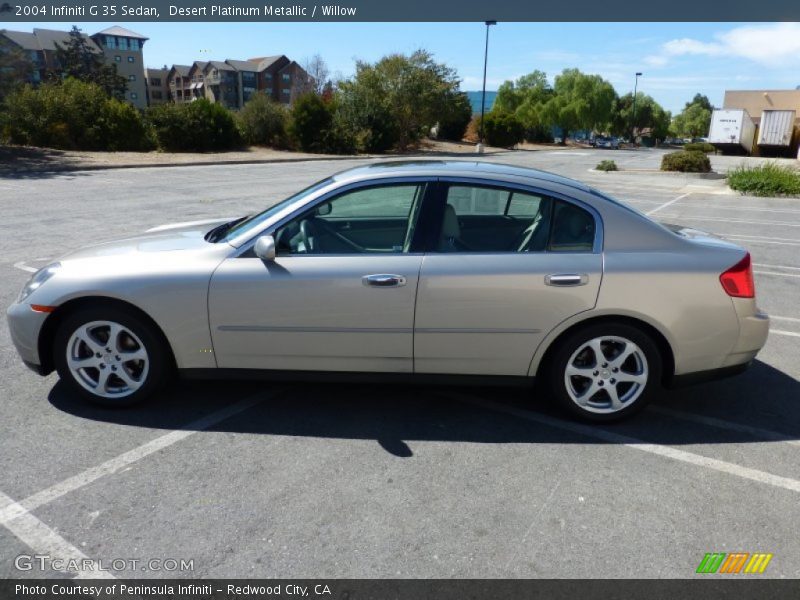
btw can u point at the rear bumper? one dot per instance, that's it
(679, 381)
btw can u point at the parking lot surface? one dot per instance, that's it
(309, 480)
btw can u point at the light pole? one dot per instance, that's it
(483, 94)
(633, 120)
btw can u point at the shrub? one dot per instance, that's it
(607, 165)
(198, 126)
(700, 147)
(73, 115)
(769, 179)
(262, 121)
(686, 161)
(311, 118)
(502, 130)
(458, 113)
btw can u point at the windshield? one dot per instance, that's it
(252, 224)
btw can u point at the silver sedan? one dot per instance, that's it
(430, 271)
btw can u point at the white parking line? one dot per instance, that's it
(791, 319)
(784, 332)
(117, 463)
(45, 541)
(765, 434)
(776, 273)
(776, 267)
(23, 267)
(786, 483)
(670, 203)
(726, 220)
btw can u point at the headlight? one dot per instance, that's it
(38, 279)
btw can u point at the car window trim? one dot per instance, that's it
(246, 249)
(441, 200)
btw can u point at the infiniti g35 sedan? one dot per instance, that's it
(429, 271)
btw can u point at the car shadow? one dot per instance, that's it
(761, 398)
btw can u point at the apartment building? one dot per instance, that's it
(119, 46)
(233, 82)
(157, 86)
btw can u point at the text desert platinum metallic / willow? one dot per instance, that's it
(269, 10)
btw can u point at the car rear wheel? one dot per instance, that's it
(110, 356)
(605, 372)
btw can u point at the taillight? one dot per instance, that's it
(738, 280)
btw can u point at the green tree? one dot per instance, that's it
(453, 123)
(198, 126)
(74, 115)
(311, 118)
(262, 121)
(15, 66)
(79, 59)
(525, 99)
(649, 115)
(396, 101)
(579, 101)
(695, 118)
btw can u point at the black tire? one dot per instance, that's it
(159, 359)
(595, 411)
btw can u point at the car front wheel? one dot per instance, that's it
(605, 372)
(111, 356)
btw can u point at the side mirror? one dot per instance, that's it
(324, 209)
(265, 248)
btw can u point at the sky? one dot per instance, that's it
(677, 60)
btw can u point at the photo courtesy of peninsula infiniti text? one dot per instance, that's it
(429, 271)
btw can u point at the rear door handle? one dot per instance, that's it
(383, 280)
(566, 279)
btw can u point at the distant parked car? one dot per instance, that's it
(421, 270)
(610, 143)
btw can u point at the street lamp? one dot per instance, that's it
(633, 120)
(483, 94)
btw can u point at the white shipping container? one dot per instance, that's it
(776, 128)
(732, 127)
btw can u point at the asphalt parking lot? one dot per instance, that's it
(293, 480)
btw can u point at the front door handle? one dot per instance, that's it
(383, 280)
(566, 279)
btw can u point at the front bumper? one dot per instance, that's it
(25, 325)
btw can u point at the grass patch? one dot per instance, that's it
(607, 165)
(686, 161)
(769, 179)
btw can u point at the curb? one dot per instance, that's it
(712, 176)
(6, 171)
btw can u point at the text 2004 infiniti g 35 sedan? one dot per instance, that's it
(426, 270)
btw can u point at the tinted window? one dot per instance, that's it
(489, 219)
(573, 229)
(371, 220)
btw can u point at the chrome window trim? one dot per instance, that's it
(321, 197)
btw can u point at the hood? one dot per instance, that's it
(173, 237)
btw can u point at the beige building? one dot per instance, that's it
(157, 86)
(757, 101)
(119, 46)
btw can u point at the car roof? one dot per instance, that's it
(455, 168)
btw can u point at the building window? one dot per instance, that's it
(155, 81)
(110, 42)
(130, 59)
(268, 90)
(133, 44)
(117, 59)
(156, 94)
(131, 77)
(134, 96)
(268, 76)
(122, 43)
(286, 77)
(286, 91)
